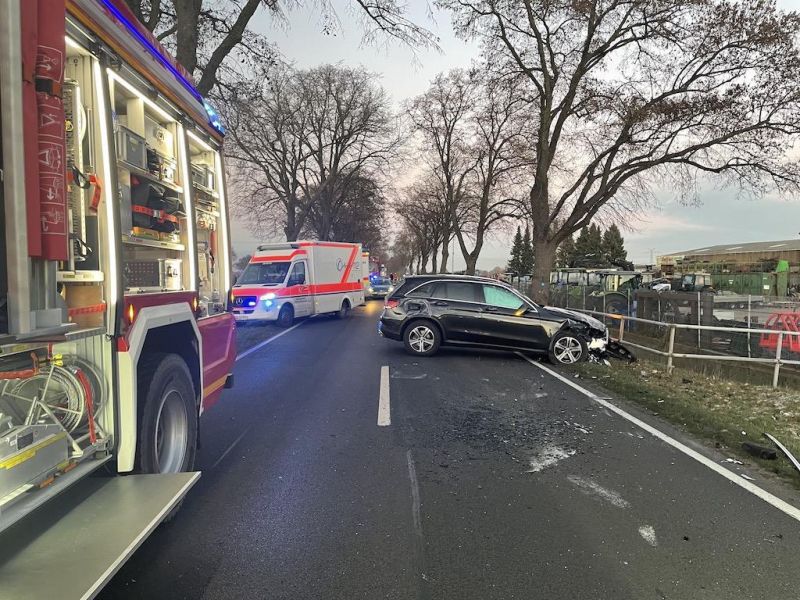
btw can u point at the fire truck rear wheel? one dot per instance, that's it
(167, 440)
(286, 316)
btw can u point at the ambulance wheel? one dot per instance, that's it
(167, 440)
(286, 316)
(344, 311)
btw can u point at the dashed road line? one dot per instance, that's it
(260, 345)
(781, 505)
(231, 447)
(384, 407)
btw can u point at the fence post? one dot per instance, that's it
(749, 322)
(699, 311)
(670, 347)
(777, 371)
(621, 328)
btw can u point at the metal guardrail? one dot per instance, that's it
(778, 361)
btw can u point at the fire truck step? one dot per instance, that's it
(14, 512)
(85, 535)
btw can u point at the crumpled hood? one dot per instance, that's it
(576, 316)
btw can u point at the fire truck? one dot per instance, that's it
(114, 276)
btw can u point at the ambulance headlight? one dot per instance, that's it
(268, 300)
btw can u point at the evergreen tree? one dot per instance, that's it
(582, 244)
(614, 244)
(589, 247)
(595, 241)
(566, 252)
(526, 256)
(515, 263)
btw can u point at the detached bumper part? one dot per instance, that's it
(597, 344)
(617, 350)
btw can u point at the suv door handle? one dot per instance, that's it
(440, 303)
(490, 308)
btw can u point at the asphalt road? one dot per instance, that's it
(494, 480)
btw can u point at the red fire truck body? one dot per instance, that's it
(114, 334)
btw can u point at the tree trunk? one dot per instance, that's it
(471, 260)
(545, 260)
(187, 17)
(445, 253)
(435, 256)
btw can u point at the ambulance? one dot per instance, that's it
(289, 280)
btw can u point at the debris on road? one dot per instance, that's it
(648, 533)
(547, 457)
(592, 488)
(759, 451)
(734, 461)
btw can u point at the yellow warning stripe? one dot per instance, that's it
(29, 453)
(210, 389)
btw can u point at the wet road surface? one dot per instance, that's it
(493, 480)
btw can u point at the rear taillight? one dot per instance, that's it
(392, 303)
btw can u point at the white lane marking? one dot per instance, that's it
(231, 447)
(415, 504)
(547, 457)
(260, 345)
(591, 487)
(649, 534)
(781, 505)
(384, 408)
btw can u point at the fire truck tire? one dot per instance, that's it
(167, 440)
(344, 311)
(286, 316)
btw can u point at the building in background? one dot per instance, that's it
(766, 268)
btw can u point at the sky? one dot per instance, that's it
(719, 218)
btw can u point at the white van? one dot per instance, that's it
(299, 279)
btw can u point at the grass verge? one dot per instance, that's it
(725, 413)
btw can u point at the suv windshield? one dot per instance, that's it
(381, 281)
(265, 273)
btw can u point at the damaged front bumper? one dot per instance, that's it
(603, 347)
(614, 349)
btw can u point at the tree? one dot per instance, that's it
(527, 256)
(515, 264)
(614, 245)
(589, 245)
(632, 94)
(475, 138)
(440, 116)
(267, 128)
(500, 142)
(425, 219)
(204, 35)
(566, 252)
(308, 147)
(361, 217)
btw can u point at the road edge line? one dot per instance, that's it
(384, 406)
(260, 345)
(788, 509)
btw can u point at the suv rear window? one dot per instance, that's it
(423, 291)
(458, 290)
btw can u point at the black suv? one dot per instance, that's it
(426, 311)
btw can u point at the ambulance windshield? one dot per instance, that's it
(264, 273)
